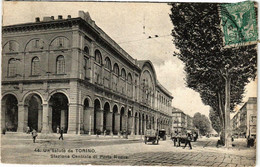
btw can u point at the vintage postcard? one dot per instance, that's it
(129, 83)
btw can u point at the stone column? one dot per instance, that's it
(117, 122)
(73, 118)
(133, 125)
(81, 119)
(129, 125)
(45, 115)
(100, 120)
(40, 118)
(124, 122)
(109, 117)
(50, 117)
(90, 120)
(21, 118)
(137, 126)
(144, 123)
(140, 126)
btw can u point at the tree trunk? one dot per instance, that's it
(222, 118)
(228, 143)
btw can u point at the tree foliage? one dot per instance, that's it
(215, 121)
(202, 123)
(198, 37)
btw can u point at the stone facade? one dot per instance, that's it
(69, 73)
(244, 121)
(181, 122)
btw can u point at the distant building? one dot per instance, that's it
(244, 121)
(178, 120)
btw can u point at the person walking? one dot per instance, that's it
(188, 140)
(34, 135)
(178, 139)
(174, 138)
(61, 133)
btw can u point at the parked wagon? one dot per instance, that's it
(162, 134)
(151, 136)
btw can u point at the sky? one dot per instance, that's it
(130, 25)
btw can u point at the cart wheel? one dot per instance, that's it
(153, 142)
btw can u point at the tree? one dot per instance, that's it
(217, 73)
(202, 123)
(215, 121)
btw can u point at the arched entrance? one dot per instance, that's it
(115, 111)
(106, 118)
(60, 113)
(9, 113)
(122, 119)
(97, 118)
(86, 120)
(34, 106)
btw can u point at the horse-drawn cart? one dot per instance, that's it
(151, 136)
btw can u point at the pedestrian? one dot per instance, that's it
(178, 139)
(61, 133)
(34, 135)
(58, 129)
(196, 136)
(28, 130)
(188, 140)
(174, 138)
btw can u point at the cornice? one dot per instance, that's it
(40, 25)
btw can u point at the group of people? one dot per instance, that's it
(178, 138)
(35, 134)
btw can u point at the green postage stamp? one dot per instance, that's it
(239, 23)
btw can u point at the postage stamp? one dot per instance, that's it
(239, 22)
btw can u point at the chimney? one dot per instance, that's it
(69, 16)
(59, 17)
(37, 19)
(52, 17)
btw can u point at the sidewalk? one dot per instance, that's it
(49, 136)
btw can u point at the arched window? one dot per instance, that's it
(35, 66)
(11, 68)
(60, 65)
(86, 50)
(116, 69)
(108, 63)
(129, 78)
(98, 57)
(123, 74)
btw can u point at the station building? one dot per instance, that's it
(67, 72)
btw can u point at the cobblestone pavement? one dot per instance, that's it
(116, 151)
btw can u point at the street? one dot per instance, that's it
(107, 150)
